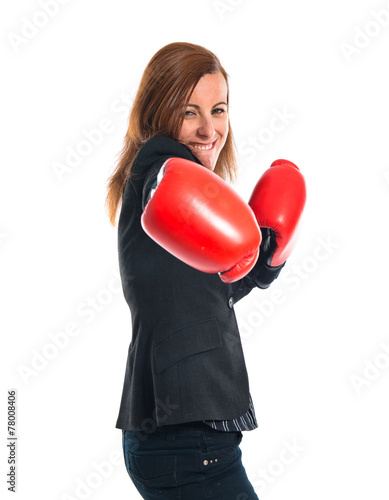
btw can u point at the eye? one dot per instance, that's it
(189, 113)
(219, 111)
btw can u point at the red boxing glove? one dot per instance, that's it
(278, 201)
(201, 220)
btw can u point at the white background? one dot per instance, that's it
(311, 340)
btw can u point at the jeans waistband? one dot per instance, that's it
(198, 433)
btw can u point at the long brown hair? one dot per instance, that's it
(159, 109)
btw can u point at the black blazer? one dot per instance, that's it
(185, 361)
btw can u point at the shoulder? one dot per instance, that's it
(157, 150)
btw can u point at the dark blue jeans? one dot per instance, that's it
(187, 462)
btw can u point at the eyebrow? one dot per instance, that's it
(217, 104)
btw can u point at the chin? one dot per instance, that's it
(209, 166)
(211, 163)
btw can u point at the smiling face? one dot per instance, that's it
(205, 125)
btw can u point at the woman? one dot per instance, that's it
(186, 397)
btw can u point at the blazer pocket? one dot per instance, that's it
(187, 341)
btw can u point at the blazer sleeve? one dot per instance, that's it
(146, 169)
(149, 161)
(150, 183)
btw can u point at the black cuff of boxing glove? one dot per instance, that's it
(263, 275)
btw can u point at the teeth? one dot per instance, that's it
(203, 147)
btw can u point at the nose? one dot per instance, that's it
(206, 128)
